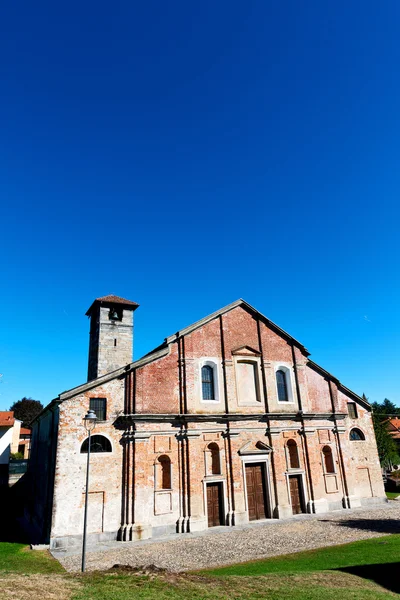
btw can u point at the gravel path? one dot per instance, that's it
(221, 546)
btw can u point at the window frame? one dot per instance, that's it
(362, 438)
(92, 438)
(211, 383)
(289, 384)
(94, 399)
(281, 382)
(354, 406)
(214, 364)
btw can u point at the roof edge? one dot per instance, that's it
(112, 300)
(240, 302)
(340, 385)
(113, 374)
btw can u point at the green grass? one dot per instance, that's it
(301, 587)
(392, 495)
(18, 558)
(380, 550)
(308, 575)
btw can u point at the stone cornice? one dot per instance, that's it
(178, 420)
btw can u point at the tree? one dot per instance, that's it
(387, 448)
(26, 410)
(385, 408)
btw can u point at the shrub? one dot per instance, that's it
(16, 456)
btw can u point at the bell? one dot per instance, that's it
(114, 315)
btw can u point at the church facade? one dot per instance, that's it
(226, 422)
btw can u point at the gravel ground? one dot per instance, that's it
(221, 546)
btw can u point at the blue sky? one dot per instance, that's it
(184, 155)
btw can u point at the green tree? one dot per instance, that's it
(387, 448)
(385, 408)
(26, 410)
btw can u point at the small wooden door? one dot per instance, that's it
(295, 494)
(214, 504)
(256, 497)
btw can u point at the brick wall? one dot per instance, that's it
(167, 418)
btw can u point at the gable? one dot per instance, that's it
(245, 351)
(251, 448)
(246, 332)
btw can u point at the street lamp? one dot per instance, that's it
(89, 421)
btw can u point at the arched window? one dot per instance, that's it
(293, 455)
(281, 383)
(215, 460)
(328, 460)
(356, 435)
(165, 472)
(98, 443)
(207, 382)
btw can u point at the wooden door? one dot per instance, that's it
(295, 494)
(256, 497)
(214, 504)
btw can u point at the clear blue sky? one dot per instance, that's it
(186, 154)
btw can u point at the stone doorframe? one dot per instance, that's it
(215, 479)
(258, 458)
(303, 491)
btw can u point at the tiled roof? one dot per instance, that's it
(111, 299)
(7, 418)
(395, 421)
(116, 300)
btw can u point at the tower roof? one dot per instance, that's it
(110, 300)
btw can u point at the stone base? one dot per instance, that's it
(161, 530)
(239, 518)
(40, 547)
(74, 541)
(182, 525)
(283, 511)
(374, 501)
(351, 502)
(135, 532)
(318, 506)
(197, 524)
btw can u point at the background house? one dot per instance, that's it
(24, 442)
(9, 439)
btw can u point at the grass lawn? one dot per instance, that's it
(383, 550)
(357, 571)
(392, 495)
(18, 558)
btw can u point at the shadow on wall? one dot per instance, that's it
(385, 575)
(11, 508)
(378, 525)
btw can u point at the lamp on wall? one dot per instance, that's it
(89, 421)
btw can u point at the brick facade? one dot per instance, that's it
(169, 445)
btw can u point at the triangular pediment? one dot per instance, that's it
(245, 351)
(250, 448)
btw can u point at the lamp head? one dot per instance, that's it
(90, 420)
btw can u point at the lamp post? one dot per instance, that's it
(89, 421)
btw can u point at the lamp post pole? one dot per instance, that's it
(90, 423)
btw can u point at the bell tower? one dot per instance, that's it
(111, 335)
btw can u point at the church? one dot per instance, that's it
(227, 421)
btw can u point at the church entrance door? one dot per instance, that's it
(256, 496)
(296, 494)
(214, 504)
